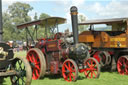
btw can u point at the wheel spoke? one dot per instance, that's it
(87, 69)
(63, 70)
(94, 65)
(88, 64)
(94, 74)
(72, 69)
(94, 69)
(33, 74)
(37, 67)
(20, 63)
(126, 66)
(22, 80)
(17, 81)
(120, 63)
(37, 73)
(66, 66)
(91, 75)
(70, 77)
(88, 74)
(33, 58)
(73, 76)
(91, 63)
(126, 70)
(37, 63)
(24, 68)
(69, 66)
(30, 58)
(123, 60)
(66, 76)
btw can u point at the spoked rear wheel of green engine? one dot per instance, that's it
(24, 72)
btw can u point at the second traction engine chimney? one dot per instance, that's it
(74, 19)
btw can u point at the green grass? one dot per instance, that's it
(106, 78)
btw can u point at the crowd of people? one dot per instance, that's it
(17, 45)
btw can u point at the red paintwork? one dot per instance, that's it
(82, 70)
(53, 45)
(96, 56)
(53, 52)
(65, 53)
(33, 57)
(92, 70)
(122, 65)
(56, 35)
(111, 53)
(68, 71)
(54, 67)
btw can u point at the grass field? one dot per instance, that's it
(106, 78)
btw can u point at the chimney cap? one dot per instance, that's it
(73, 9)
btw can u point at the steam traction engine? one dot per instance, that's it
(60, 53)
(18, 68)
(107, 39)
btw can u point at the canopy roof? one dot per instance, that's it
(51, 21)
(104, 21)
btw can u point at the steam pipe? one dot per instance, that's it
(1, 29)
(74, 19)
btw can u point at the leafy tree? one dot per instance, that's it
(44, 15)
(81, 19)
(16, 14)
(7, 26)
(35, 17)
(41, 30)
(19, 14)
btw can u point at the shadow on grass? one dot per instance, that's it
(80, 78)
(57, 76)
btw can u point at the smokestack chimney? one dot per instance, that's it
(1, 29)
(74, 19)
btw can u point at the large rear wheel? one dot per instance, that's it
(37, 61)
(105, 58)
(24, 72)
(70, 70)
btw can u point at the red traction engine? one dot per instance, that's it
(62, 55)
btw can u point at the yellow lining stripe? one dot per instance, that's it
(117, 39)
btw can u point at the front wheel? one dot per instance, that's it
(92, 68)
(24, 72)
(70, 70)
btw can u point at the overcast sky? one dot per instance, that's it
(92, 9)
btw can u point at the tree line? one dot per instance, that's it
(16, 14)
